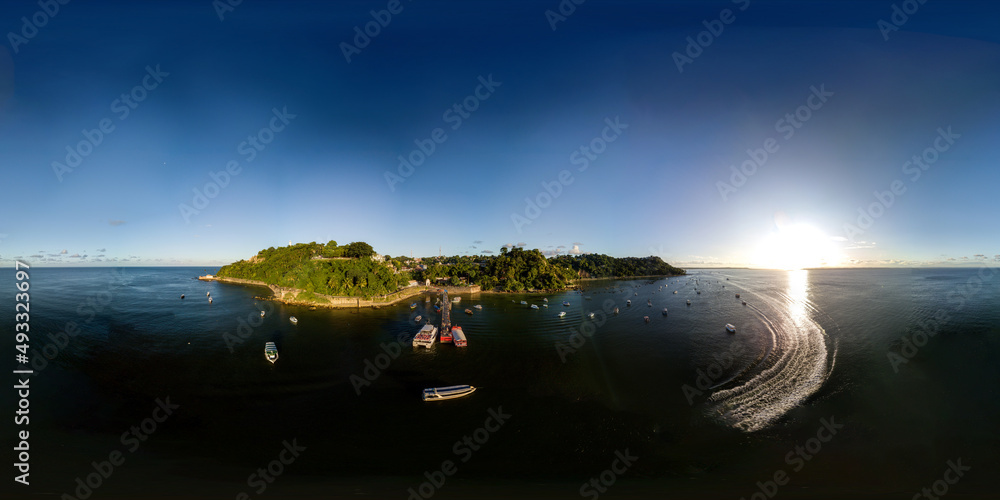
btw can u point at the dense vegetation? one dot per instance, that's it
(349, 270)
(327, 269)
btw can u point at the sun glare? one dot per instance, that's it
(795, 247)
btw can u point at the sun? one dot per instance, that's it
(795, 246)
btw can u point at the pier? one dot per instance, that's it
(445, 312)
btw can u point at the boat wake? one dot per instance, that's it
(791, 368)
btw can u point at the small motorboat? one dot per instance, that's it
(477, 306)
(437, 307)
(561, 314)
(534, 306)
(675, 291)
(544, 299)
(737, 295)
(524, 302)
(468, 311)
(210, 300)
(413, 305)
(417, 319)
(545, 306)
(628, 303)
(182, 295)
(590, 315)
(649, 303)
(271, 352)
(566, 303)
(646, 319)
(730, 328)
(744, 302)
(689, 301)
(664, 311)
(616, 310)
(450, 392)
(699, 292)
(262, 314)
(208, 294)
(294, 320)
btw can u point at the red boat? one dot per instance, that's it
(446, 336)
(459, 335)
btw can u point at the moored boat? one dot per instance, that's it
(294, 320)
(450, 392)
(418, 318)
(426, 336)
(459, 336)
(730, 328)
(446, 337)
(271, 352)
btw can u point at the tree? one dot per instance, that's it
(359, 249)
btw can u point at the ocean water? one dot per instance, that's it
(902, 364)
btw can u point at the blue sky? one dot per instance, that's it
(654, 189)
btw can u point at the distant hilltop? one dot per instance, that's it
(356, 270)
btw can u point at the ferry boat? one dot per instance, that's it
(294, 320)
(426, 336)
(446, 337)
(730, 328)
(450, 392)
(271, 352)
(561, 314)
(459, 336)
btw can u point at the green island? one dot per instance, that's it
(354, 274)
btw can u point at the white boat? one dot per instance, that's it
(477, 306)
(561, 314)
(271, 352)
(730, 328)
(675, 291)
(426, 336)
(458, 336)
(534, 306)
(566, 303)
(208, 294)
(524, 302)
(417, 319)
(590, 315)
(456, 300)
(616, 310)
(545, 306)
(544, 299)
(210, 300)
(628, 302)
(294, 320)
(450, 392)
(649, 303)
(262, 314)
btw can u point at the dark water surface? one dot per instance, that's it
(810, 345)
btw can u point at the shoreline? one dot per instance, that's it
(294, 296)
